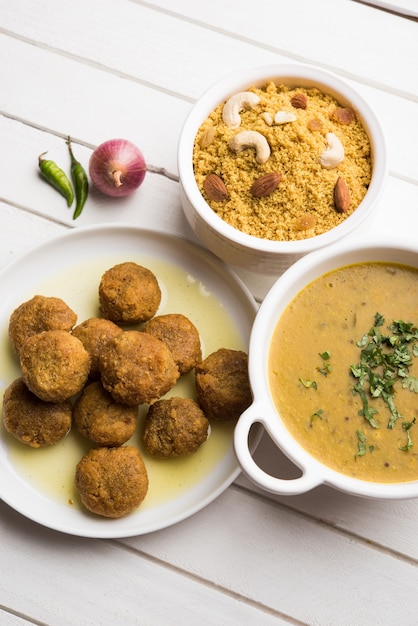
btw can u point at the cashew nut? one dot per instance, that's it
(283, 117)
(242, 101)
(268, 118)
(334, 154)
(251, 139)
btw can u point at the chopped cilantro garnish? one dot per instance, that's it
(327, 367)
(318, 414)
(384, 359)
(411, 383)
(325, 355)
(406, 426)
(366, 411)
(308, 383)
(361, 446)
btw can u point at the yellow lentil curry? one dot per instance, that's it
(302, 204)
(343, 369)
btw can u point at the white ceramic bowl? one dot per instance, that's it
(233, 246)
(263, 410)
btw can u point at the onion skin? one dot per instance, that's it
(117, 167)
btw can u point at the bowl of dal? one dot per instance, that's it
(333, 365)
(276, 162)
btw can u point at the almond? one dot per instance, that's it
(265, 185)
(215, 188)
(341, 195)
(299, 101)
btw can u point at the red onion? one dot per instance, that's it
(117, 167)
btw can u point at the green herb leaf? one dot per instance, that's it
(327, 369)
(358, 371)
(366, 411)
(363, 341)
(318, 414)
(394, 413)
(308, 383)
(361, 446)
(408, 444)
(406, 426)
(411, 383)
(378, 319)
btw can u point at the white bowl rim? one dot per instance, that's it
(305, 74)
(263, 410)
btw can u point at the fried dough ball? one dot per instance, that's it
(136, 368)
(112, 482)
(181, 336)
(38, 314)
(94, 333)
(222, 384)
(33, 421)
(175, 427)
(55, 365)
(102, 420)
(129, 293)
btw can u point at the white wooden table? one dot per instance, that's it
(98, 69)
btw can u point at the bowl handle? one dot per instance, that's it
(279, 486)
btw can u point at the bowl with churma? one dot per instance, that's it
(278, 161)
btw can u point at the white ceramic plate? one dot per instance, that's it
(69, 267)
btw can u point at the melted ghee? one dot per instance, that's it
(51, 470)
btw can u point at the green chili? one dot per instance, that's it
(56, 177)
(80, 180)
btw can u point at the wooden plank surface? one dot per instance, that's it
(91, 582)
